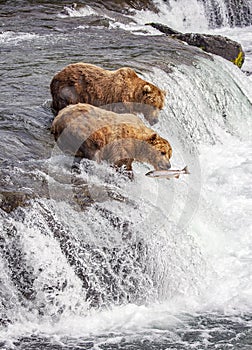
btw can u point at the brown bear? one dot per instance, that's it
(90, 132)
(87, 83)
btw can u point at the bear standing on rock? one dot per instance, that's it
(94, 133)
(87, 83)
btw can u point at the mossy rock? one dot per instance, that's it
(239, 60)
(215, 44)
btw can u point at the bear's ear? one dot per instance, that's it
(164, 92)
(152, 138)
(126, 72)
(146, 89)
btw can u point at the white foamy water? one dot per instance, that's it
(84, 11)
(180, 15)
(222, 223)
(13, 38)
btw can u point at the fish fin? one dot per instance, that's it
(177, 176)
(186, 170)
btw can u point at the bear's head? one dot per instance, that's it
(147, 98)
(160, 152)
(152, 100)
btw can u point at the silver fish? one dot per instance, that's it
(168, 174)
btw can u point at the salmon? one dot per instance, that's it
(168, 174)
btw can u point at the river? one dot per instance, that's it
(96, 261)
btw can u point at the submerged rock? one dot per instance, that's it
(215, 44)
(67, 187)
(11, 200)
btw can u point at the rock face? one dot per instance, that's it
(163, 28)
(11, 200)
(215, 44)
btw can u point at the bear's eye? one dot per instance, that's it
(163, 153)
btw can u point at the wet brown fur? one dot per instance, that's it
(87, 83)
(94, 133)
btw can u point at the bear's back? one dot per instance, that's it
(86, 118)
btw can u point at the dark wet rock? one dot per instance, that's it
(67, 9)
(163, 28)
(79, 196)
(21, 182)
(30, 182)
(101, 22)
(215, 44)
(11, 200)
(84, 196)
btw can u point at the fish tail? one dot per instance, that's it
(186, 170)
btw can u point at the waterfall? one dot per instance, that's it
(132, 245)
(202, 14)
(228, 12)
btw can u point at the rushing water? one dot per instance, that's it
(97, 261)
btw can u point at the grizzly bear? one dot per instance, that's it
(87, 83)
(90, 132)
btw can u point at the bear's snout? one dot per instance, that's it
(153, 121)
(151, 114)
(164, 165)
